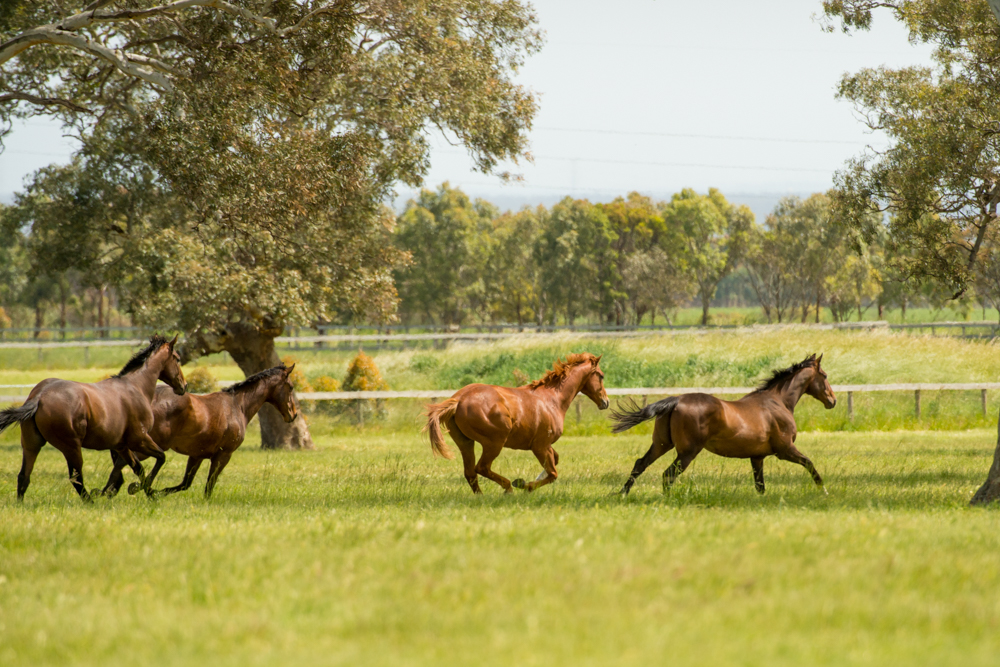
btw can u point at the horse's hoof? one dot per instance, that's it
(518, 483)
(133, 488)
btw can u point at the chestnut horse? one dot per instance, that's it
(760, 424)
(211, 426)
(111, 414)
(529, 417)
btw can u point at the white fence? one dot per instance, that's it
(843, 389)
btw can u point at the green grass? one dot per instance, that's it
(369, 551)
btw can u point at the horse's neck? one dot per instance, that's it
(251, 400)
(145, 378)
(570, 387)
(792, 390)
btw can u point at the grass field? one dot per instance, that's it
(369, 551)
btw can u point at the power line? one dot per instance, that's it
(698, 136)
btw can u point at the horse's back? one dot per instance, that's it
(738, 429)
(483, 410)
(188, 424)
(78, 410)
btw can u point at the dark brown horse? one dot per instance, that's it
(760, 424)
(111, 414)
(211, 426)
(529, 417)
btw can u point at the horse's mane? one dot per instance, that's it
(777, 377)
(252, 381)
(559, 370)
(138, 360)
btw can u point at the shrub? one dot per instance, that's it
(201, 381)
(363, 375)
(297, 378)
(325, 383)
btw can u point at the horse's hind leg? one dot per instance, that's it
(757, 463)
(661, 445)
(74, 461)
(218, 463)
(31, 443)
(490, 453)
(115, 479)
(467, 446)
(795, 456)
(680, 464)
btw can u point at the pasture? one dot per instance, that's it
(369, 550)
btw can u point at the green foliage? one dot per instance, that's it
(363, 375)
(938, 180)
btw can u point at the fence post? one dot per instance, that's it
(850, 405)
(984, 402)
(916, 398)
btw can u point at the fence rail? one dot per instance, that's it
(848, 389)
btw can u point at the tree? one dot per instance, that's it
(940, 178)
(715, 235)
(443, 232)
(575, 261)
(510, 276)
(247, 195)
(770, 263)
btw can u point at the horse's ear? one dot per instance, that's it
(288, 371)
(812, 357)
(173, 342)
(820, 360)
(598, 359)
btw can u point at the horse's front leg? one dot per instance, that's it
(146, 445)
(757, 463)
(547, 457)
(790, 453)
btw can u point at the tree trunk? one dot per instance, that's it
(704, 310)
(902, 304)
(39, 317)
(990, 490)
(62, 309)
(100, 313)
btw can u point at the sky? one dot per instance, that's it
(655, 96)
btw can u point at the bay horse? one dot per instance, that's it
(111, 414)
(211, 426)
(760, 424)
(529, 417)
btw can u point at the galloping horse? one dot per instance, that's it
(760, 424)
(212, 426)
(111, 414)
(529, 417)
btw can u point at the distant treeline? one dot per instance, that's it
(634, 260)
(626, 262)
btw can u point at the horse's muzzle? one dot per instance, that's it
(605, 403)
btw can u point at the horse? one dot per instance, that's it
(111, 414)
(529, 417)
(760, 424)
(211, 426)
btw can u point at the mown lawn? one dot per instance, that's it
(369, 551)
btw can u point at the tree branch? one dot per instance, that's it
(44, 101)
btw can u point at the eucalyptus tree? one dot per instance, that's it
(939, 179)
(714, 233)
(235, 175)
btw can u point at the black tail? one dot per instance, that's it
(633, 415)
(16, 415)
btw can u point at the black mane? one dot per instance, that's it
(138, 360)
(252, 381)
(777, 377)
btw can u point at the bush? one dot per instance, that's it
(363, 375)
(297, 378)
(325, 383)
(201, 381)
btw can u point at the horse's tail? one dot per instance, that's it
(435, 413)
(633, 415)
(11, 416)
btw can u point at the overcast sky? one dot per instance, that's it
(656, 95)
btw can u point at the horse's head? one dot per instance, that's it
(593, 385)
(171, 372)
(282, 396)
(819, 387)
